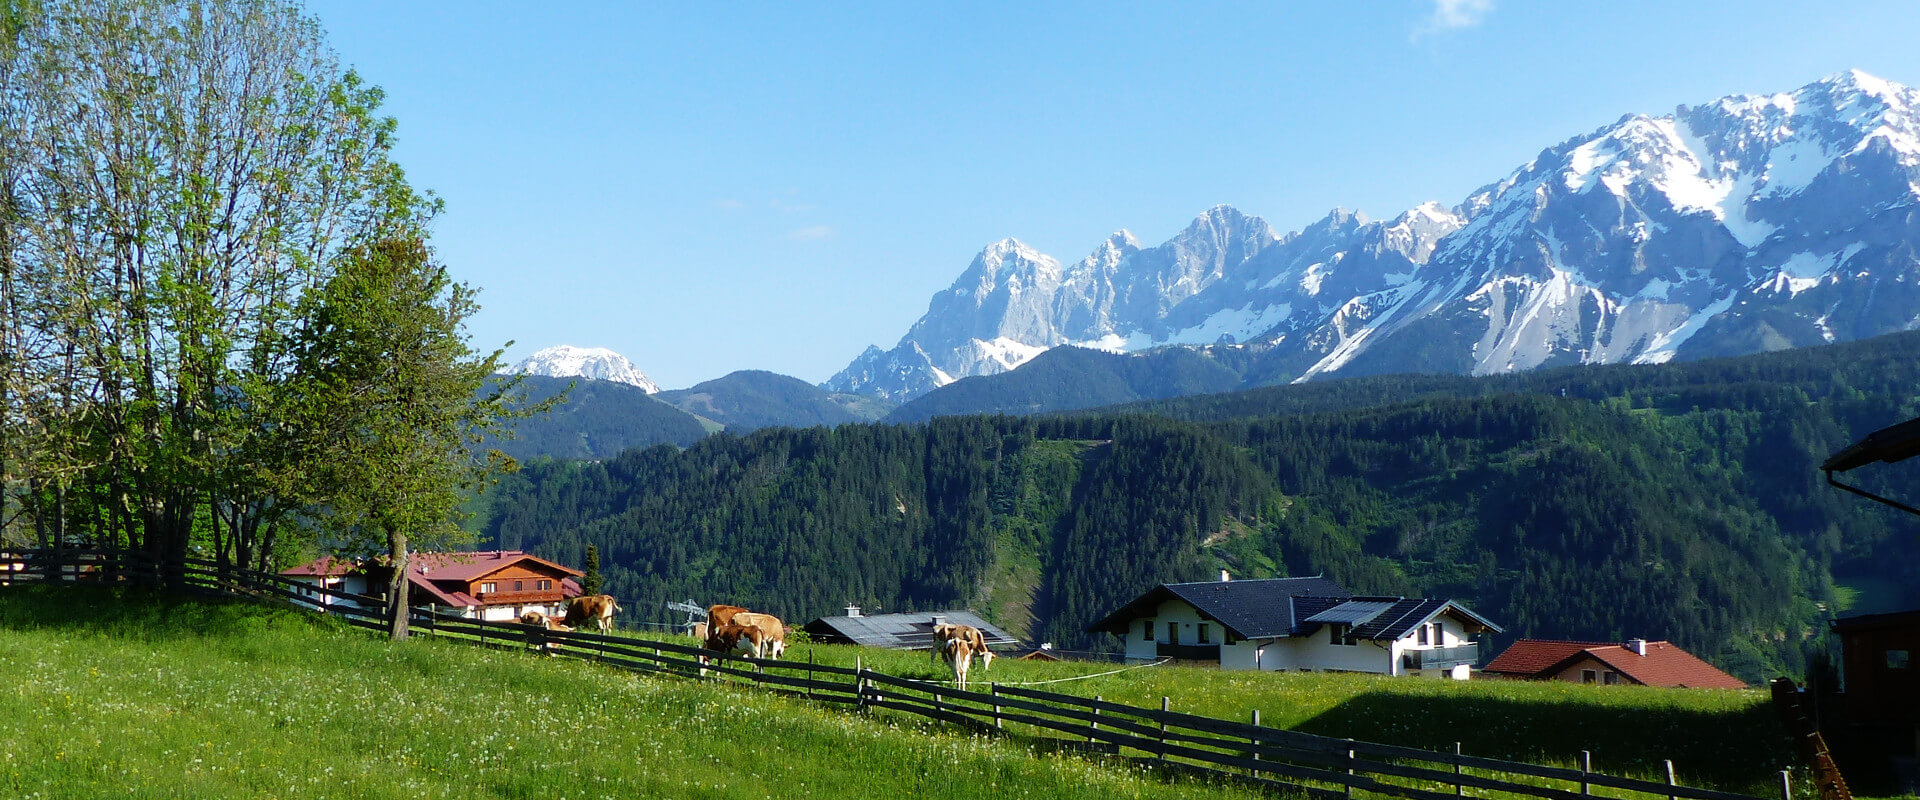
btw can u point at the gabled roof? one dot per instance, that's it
(909, 631)
(1389, 618)
(1252, 609)
(459, 566)
(1665, 664)
(1529, 657)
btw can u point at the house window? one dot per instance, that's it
(1589, 676)
(1340, 633)
(545, 585)
(1146, 630)
(1897, 659)
(1437, 638)
(1205, 637)
(1610, 678)
(1173, 633)
(1423, 634)
(487, 588)
(516, 586)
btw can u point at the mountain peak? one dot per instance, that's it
(596, 363)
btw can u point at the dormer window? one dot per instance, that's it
(488, 588)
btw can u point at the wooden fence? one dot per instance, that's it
(1320, 767)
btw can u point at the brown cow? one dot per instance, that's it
(770, 627)
(719, 615)
(536, 619)
(733, 640)
(594, 609)
(976, 641)
(959, 656)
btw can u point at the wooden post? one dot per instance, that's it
(1459, 789)
(859, 685)
(1786, 785)
(1096, 719)
(1256, 743)
(994, 689)
(1166, 706)
(809, 673)
(1348, 786)
(1586, 769)
(1670, 781)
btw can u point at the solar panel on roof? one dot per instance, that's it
(1353, 612)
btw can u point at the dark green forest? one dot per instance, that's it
(1676, 502)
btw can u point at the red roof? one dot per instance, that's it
(1530, 657)
(1664, 664)
(440, 566)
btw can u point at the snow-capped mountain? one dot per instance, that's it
(1749, 223)
(598, 363)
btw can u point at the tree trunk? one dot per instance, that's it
(397, 611)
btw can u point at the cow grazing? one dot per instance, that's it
(535, 619)
(594, 609)
(959, 656)
(698, 631)
(734, 640)
(718, 615)
(976, 641)
(770, 626)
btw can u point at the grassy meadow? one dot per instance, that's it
(121, 693)
(1729, 740)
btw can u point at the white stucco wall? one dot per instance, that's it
(1187, 622)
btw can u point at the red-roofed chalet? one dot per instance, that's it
(1637, 662)
(489, 584)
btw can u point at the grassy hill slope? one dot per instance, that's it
(125, 694)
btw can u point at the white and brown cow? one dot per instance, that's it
(534, 618)
(733, 640)
(959, 656)
(771, 628)
(976, 641)
(594, 609)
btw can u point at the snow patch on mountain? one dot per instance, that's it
(596, 363)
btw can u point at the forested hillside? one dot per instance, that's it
(1678, 502)
(596, 420)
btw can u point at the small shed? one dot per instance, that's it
(1882, 675)
(908, 631)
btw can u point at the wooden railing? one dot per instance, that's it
(1318, 767)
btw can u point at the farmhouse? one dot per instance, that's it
(491, 585)
(1638, 662)
(1310, 624)
(909, 631)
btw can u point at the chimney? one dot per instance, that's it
(939, 620)
(1638, 646)
(853, 610)
(1224, 577)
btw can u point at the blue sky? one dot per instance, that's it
(744, 186)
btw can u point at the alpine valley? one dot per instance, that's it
(1747, 224)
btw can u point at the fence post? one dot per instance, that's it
(1096, 719)
(1166, 706)
(1586, 769)
(809, 673)
(1670, 781)
(994, 689)
(1256, 743)
(1786, 785)
(1459, 789)
(1348, 786)
(859, 685)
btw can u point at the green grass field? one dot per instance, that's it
(1729, 740)
(116, 693)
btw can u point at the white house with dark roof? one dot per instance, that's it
(1307, 624)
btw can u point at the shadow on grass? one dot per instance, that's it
(131, 612)
(1729, 742)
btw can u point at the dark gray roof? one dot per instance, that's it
(1388, 618)
(908, 631)
(1251, 609)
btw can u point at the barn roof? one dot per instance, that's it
(1250, 609)
(908, 631)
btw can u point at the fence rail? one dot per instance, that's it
(1319, 767)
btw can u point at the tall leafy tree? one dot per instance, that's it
(172, 176)
(591, 582)
(392, 401)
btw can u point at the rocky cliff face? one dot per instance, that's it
(1741, 225)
